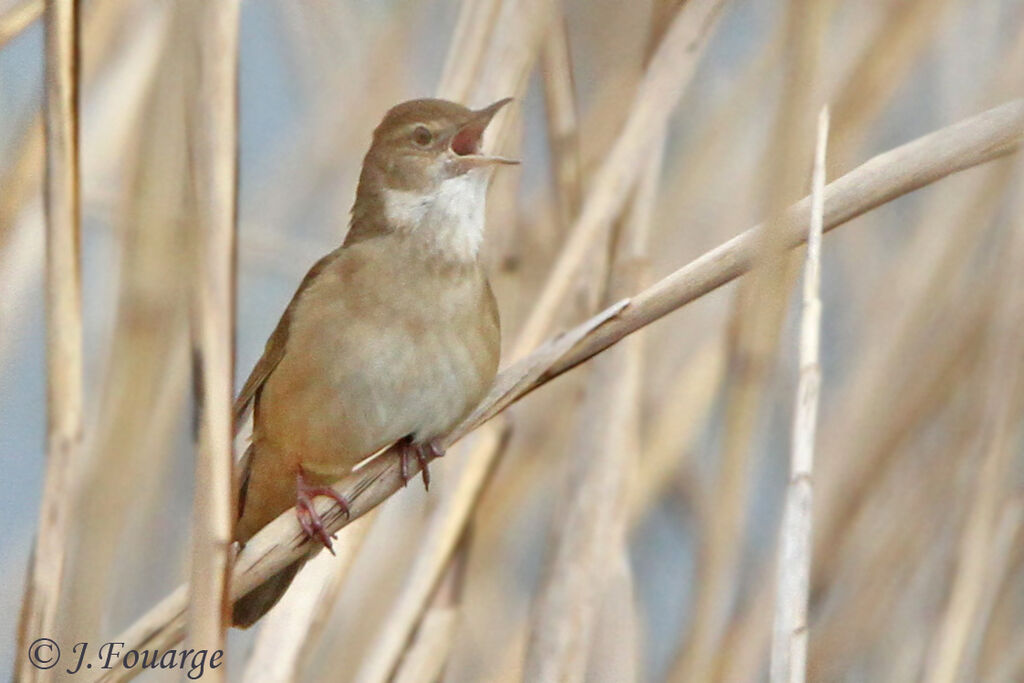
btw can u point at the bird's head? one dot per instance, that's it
(422, 143)
(423, 172)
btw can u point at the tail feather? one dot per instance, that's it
(249, 608)
(253, 513)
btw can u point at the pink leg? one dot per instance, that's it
(423, 453)
(309, 519)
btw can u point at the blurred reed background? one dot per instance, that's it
(628, 529)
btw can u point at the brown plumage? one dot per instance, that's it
(393, 337)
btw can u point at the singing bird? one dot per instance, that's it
(393, 338)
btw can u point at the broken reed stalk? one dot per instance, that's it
(854, 470)
(212, 136)
(845, 480)
(789, 643)
(64, 360)
(968, 143)
(941, 363)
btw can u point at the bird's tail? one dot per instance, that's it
(253, 513)
(249, 608)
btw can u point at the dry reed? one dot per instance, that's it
(64, 361)
(623, 522)
(211, 31)
(982, 138)
(789, 646)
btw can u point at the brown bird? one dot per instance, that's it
(391, 339)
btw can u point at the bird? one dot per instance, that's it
(390, 340)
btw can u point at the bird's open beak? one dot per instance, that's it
(465, 144)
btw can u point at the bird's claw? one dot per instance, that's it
(309, 519)
(423, 454)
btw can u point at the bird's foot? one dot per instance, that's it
(309, 519)
(423, 453)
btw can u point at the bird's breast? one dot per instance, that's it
(376, 355)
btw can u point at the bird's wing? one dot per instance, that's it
(274, 350)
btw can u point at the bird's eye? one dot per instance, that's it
(422, 136)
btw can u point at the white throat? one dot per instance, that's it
(449, 222)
